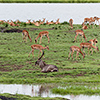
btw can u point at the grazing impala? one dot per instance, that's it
(41, 34)
(81, 33)
(37, 47)
(25, 34)
(75, 48)
(91, 21)
(89, 46)
(45, 67)
(84, 26)
(93, 41)
(71, 23)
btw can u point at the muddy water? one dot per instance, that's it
(40, 90)
(50, 11)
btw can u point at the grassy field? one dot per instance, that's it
(17, 67)
(49, 1)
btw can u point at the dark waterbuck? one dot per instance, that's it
(45, 67)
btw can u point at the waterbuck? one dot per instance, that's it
(45, 67)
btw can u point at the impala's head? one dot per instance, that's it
(95, 40)
(47, 47)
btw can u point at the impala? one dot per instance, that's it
(89, 46)
(86, 20)
(41, 34)
(96, 19)
(37, 47)
(84, 26)
(28, 22)
(77, 49)
(81, 33)
(42, 22)
(45, 67)
(91, 20)
(57, 22)
(71, 23)
(48, 23)
(93, 41)
(25, 34)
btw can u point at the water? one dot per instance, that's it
(42, 91)
(50, 11)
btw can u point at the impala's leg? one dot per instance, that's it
(69, 54)
(22, 37)
(83, 49)
(77, 54)
(75, 37)
(88, 50)
(82, 37)
(48, 38)
(40, 39)
(39, 53)
(30, 52)
(92, 26)
(91, 51)
(72, 54)
(26, 39)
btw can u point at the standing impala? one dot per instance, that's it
(75, 48)
(89, 46)
(96, 20)
(81, 33)
(71, 23)
(25, 34)
(41, 34)
(37, 47)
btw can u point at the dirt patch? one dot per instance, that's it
(4, 67)
(6, 98)
(19, 30)
(12, 30)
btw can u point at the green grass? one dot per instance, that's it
(77, 90)
(49, 1)
(17, 67)
(26, 97)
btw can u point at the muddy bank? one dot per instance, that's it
(16, 30)
(6, 98)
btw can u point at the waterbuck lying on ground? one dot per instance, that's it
(45, 67)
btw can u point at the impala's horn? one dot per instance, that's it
(41, 55)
